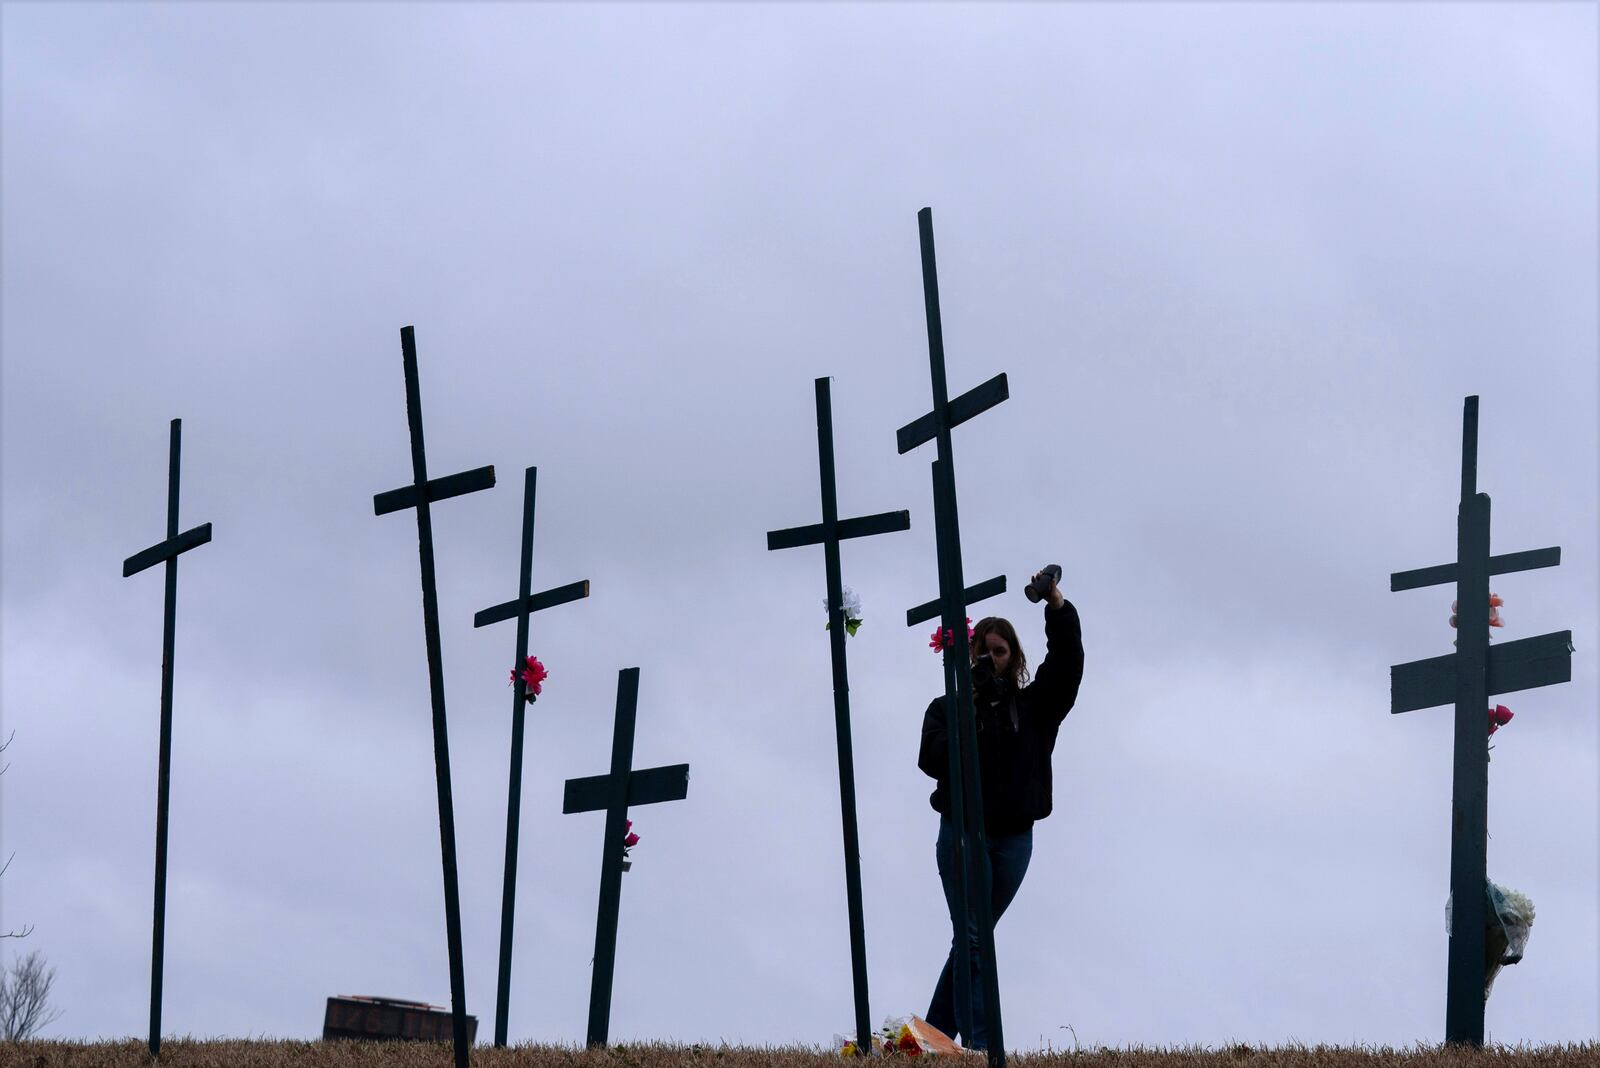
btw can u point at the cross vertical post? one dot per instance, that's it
(951, 609)
(614, 792)
(166, 551)
(419, 494)
(830, 532)
(525, 604)
(1469, 804)
(961, 773)
(1467, 679)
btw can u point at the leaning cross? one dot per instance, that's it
(830, 532)
(1468, 677)
(520, 608)
(967, 801)
(614, 792)
(419, 495)
(165, 551)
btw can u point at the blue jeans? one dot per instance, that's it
(1008, 863)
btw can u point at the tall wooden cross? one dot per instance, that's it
(951, 608)
(829, 533)
(1468, 678)
(973, 877)
(525, 604)
(615, 792)
(420, 494)
(166, 551)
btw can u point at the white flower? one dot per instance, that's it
(852, 604)
(1518, 906)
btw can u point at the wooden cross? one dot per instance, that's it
(525, 604)
(1467, 678)
(421, 493)
(966, 794)
(966, 803)
(829, 533)
(166, 551)
(614, 792)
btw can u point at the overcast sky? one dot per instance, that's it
(1241, 264)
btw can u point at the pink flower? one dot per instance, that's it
(631, 841)
(533, 675)
(946, 639)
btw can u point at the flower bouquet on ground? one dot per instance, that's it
(909, 1035)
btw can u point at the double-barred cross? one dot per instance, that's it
(525, 604)
(166, 551)
(1468, 678)
(829, 533)
(615, 792)
(421, 493)
(966, 796)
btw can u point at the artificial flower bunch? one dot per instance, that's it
(944, 639)
(533, 675)
(1499, 716)
(1496, 602)
(630, 839)
(910, 1036)
(852, 612)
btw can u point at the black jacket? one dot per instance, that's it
(1016, 734)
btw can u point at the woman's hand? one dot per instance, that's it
(1055, 600)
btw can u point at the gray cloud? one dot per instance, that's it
(1241, 264)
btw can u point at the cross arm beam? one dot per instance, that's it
(572, 591)
(1498, 565)
(973, 594)
(166, 550)
(648, 786)
(438, 489)
(1520, 665)
(974, 401)
(860, 527)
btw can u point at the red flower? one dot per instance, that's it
(1499, 716)
(631, 841)
(946, 639)
(533, 675)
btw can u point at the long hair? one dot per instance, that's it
(1017, 670)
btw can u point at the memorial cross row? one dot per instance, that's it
(829, 533)
(615, 792)
(419, 495)
(166, 551)
(520, 608)
(1467, 678)
(966, 799)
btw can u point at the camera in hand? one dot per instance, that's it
(1049, 575)
(984, 680)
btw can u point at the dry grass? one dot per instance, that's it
(189, 1053)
